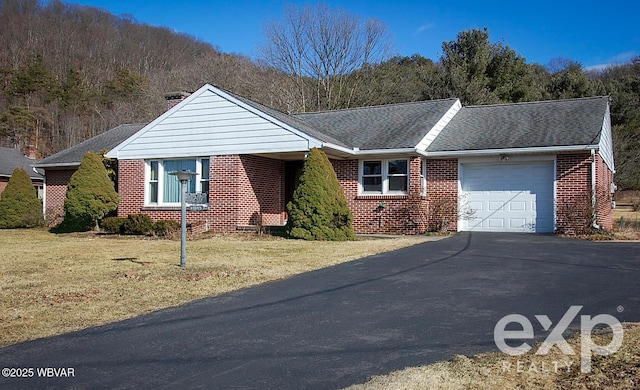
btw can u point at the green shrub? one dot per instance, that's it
(90, 195)
(138, 224)
(114, 225)
(19, 204)
(166, 228)
(319, 209)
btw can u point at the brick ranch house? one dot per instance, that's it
(404, 168)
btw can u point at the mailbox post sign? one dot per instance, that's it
(184, 177)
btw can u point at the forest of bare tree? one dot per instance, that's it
(70, 72)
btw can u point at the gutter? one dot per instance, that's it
(493, 152)
(58, 165)
(357, 152)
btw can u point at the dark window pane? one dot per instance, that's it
(205, 187)
(372, 168)
(154, 170)
(397, 183)
(372, 184)
(398, 167)
(153, 192)
(205, 169)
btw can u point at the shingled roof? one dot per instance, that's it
(290, 120)
(524, 125)
(391, 126)
(10, 159)
(72, 156)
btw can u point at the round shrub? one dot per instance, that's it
(19, 203)
(114, 225)
(138, 224)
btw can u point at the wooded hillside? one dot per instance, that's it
(70, 72)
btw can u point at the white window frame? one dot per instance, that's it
(385, 177)
(160, 180)
(423, 176)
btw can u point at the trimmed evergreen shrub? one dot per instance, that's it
(113, 225)
(166, 228)
(19, 204)
(319, 209)
(90, 195)
(138, 224)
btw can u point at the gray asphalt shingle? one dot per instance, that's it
(523, 125)
(10, 159)
(107, 140)
(391, 126)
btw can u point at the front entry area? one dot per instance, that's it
(507, 197)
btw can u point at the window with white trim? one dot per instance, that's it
(389, 176)
(423, 177)
(164, 189)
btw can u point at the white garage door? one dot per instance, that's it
(508, 197)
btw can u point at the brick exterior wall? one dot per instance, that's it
(244, 190)
(250, 190)
(402, 214)
(3, 184)
(574, 193)
(604, 182)
(442, 194)
(56, 193)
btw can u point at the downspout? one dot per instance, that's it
(594, 199)
(44, 195)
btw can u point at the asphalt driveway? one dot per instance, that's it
(338, 326)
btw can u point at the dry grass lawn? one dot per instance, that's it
(626, 222)
(51, 284)
(619, 371)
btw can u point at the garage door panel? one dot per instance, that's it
(509, 197)
(517, 206)
(493, 206)
(496, 223)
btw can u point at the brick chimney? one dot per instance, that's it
(173, 98)
(30, 151)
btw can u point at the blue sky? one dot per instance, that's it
(593, 33)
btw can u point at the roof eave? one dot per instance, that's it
(58, 165)
(529, 150)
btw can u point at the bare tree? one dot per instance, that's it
(317, 47)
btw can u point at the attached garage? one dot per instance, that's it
(508, 197)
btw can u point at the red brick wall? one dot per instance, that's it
(604, 180)
(241, 189)
(403, 214)
(261, 190)
(442, 193)
(56, 193)
(573, 191)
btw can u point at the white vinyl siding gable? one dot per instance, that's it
(210, 123)
(606, 141)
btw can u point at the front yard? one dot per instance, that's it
(52, 284)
